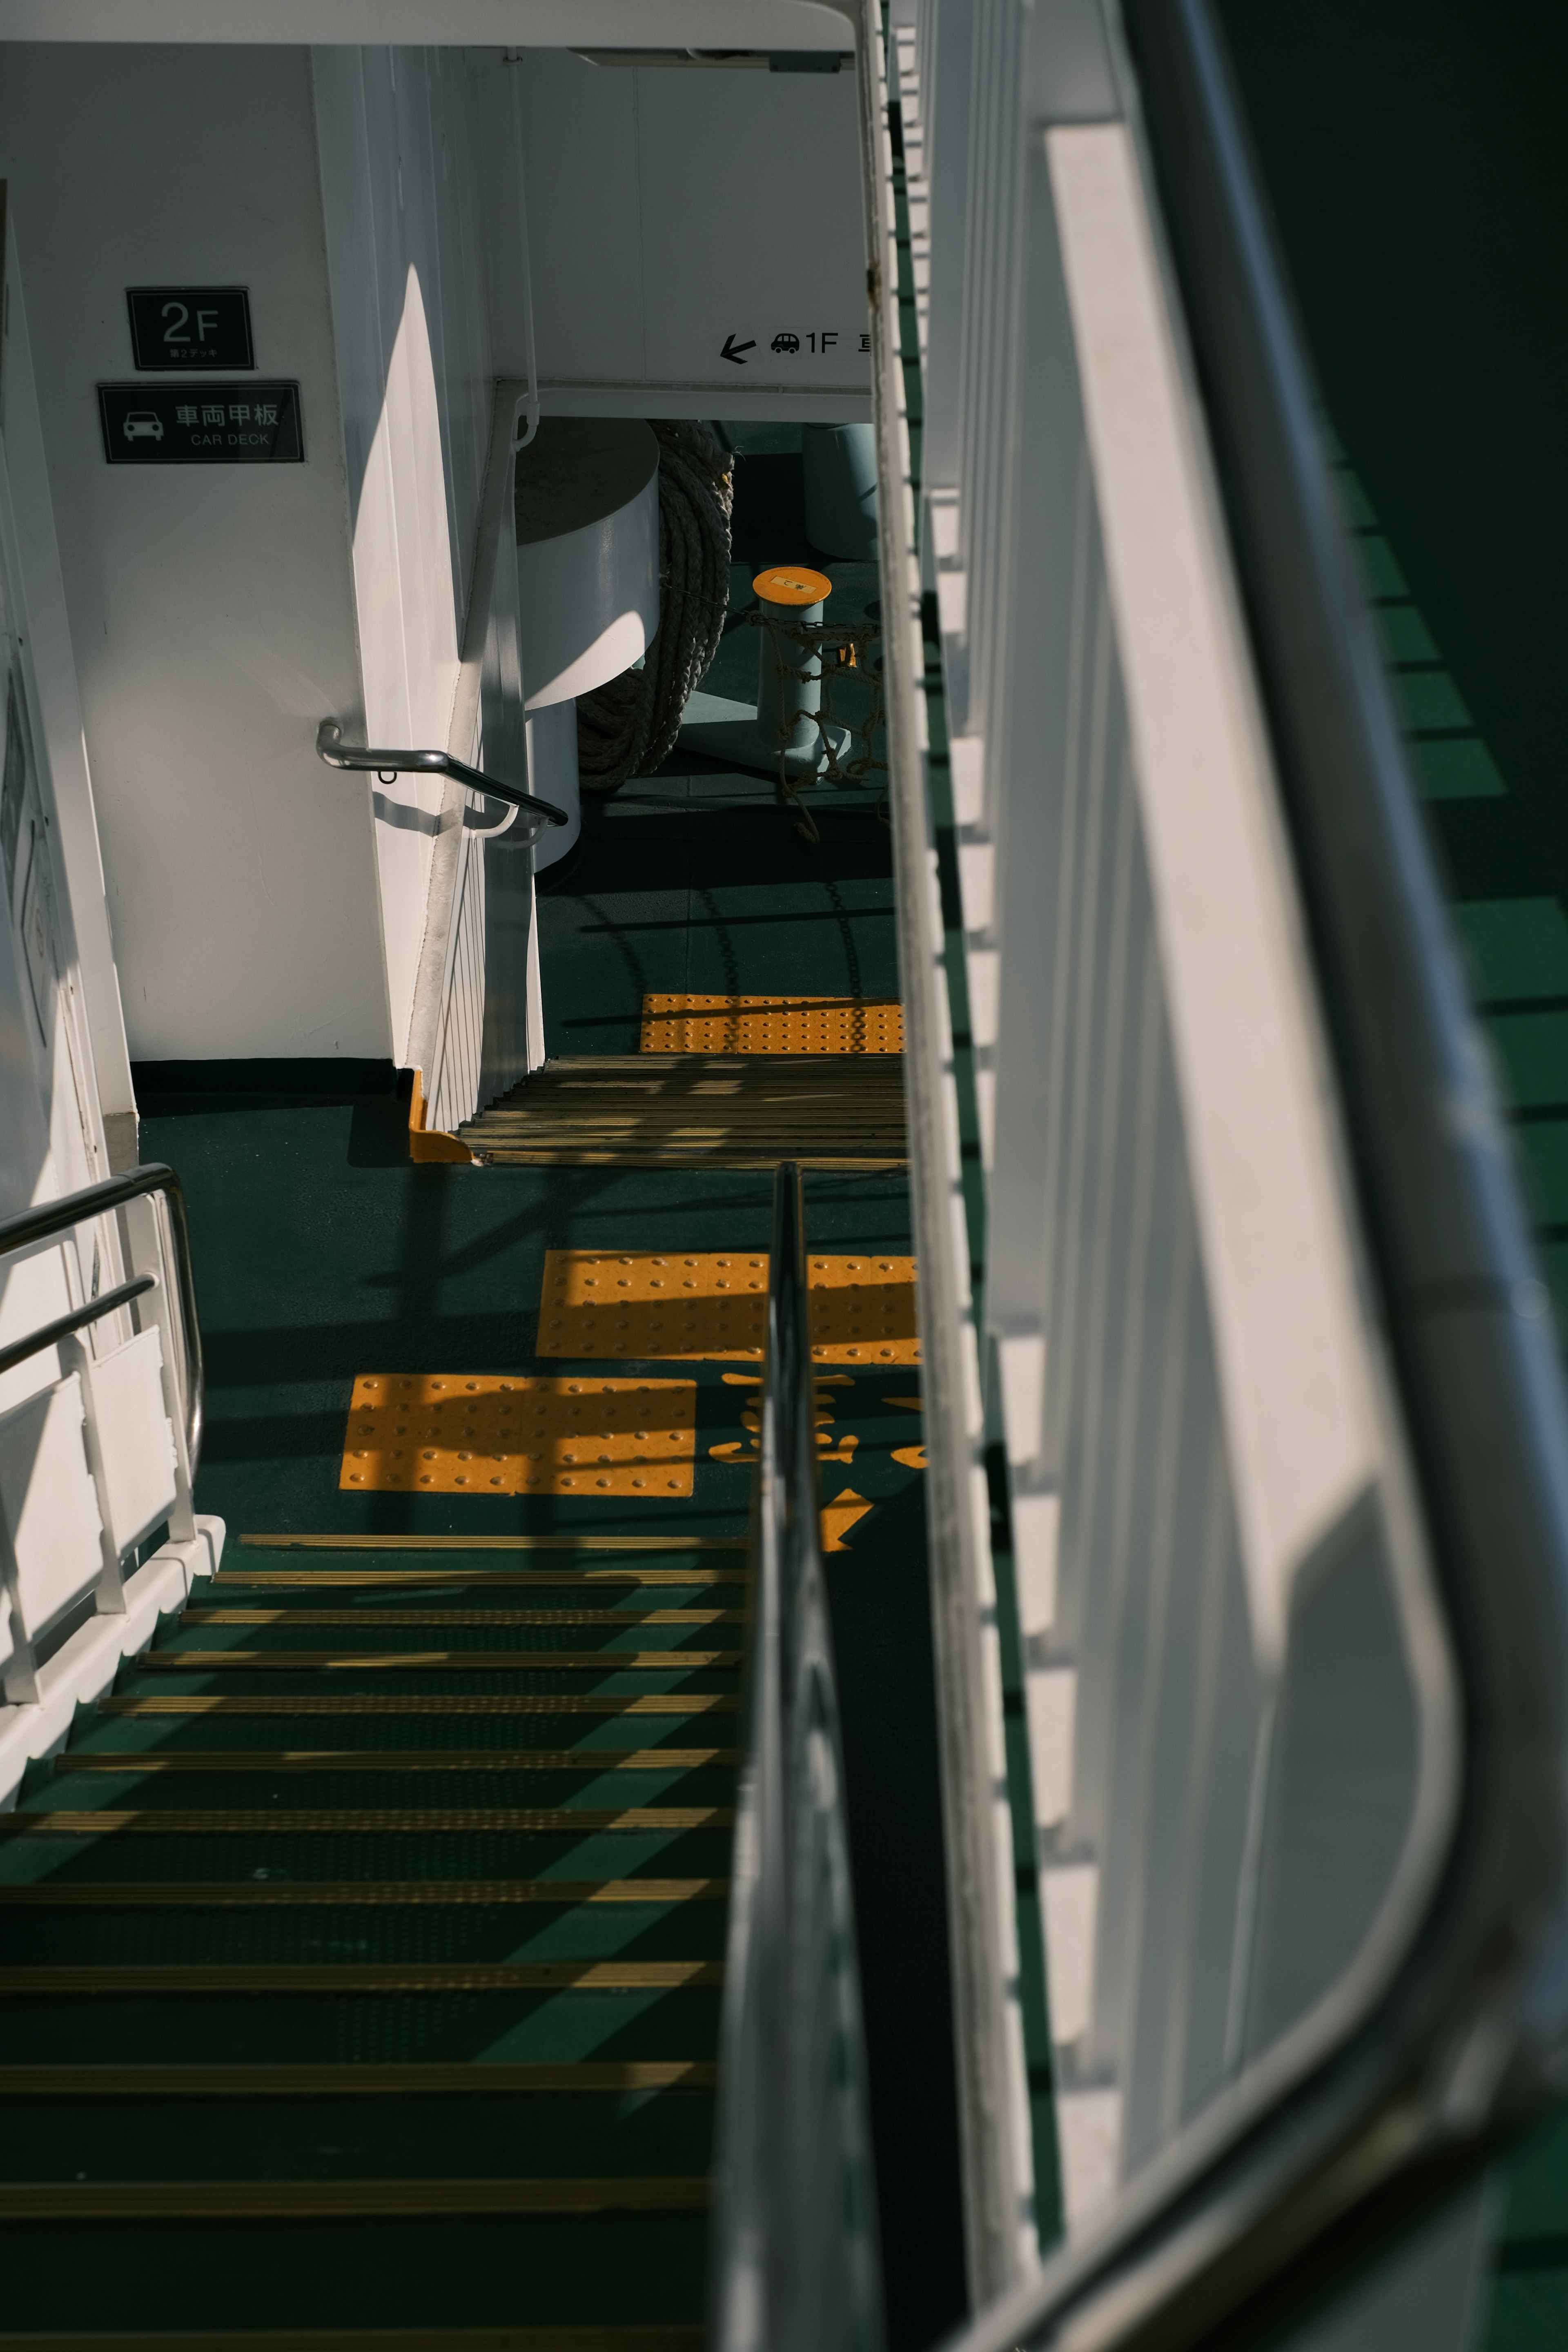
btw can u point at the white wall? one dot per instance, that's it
(211, 608)
(670, 209)
(51, 897)
(404, 222)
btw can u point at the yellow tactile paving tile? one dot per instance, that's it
(457, 1432)
(710, 1306)
(771, 1025)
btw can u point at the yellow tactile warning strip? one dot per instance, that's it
(711, 1306)
(456, 1433)
(771, 1025)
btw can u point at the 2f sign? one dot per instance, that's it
(178, 330)
(190, 327)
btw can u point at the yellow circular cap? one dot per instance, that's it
(792, 584)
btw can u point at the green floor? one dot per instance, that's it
(1413, 150)
(320, 1253)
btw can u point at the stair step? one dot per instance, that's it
(506, 1820)
(388, 1893)
(591, 2078)
(365, 2339)
(203, 1703)
(311, 2201)
(444, 1662)
(356, 1617)
(412, 1759)
(655, 1110)
(57, 1982)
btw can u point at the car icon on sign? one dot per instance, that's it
(142, 425)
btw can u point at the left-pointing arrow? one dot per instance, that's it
(733, 350)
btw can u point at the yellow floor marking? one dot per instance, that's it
(711, 1306)
(913, 1457)
(771, 1025)
(910, 1404)
(453, 1433)
(839, 1516)
(739, 1452)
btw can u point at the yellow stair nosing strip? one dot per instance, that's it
(436, 1661)
(478, 1821)
(470, 1579)
(624, 1619)
(410, 1759)
(497, 1543)
(317, 2200)
(591, 2077)
(57, 1982)
(200, 1895)
(201, 1613)
(613, 2338)
(402, 1703)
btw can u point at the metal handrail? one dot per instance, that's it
(1303, 2173)
(66, 1327)
(330, 747)
(795, 2265)
(31, 1226)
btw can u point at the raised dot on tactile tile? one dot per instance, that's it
(639, 1482)
(355, 1479)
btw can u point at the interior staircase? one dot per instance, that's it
(474, 1797)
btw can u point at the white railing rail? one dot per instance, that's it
(1242, 1307)
(797, 2265)
(96, 1459)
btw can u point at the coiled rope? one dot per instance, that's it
(628, 726)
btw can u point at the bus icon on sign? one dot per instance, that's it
(142, 425)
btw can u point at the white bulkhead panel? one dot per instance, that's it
(211, 604)
(48, 1514)
(402, 214)
(135, 1442)
(696, 241)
